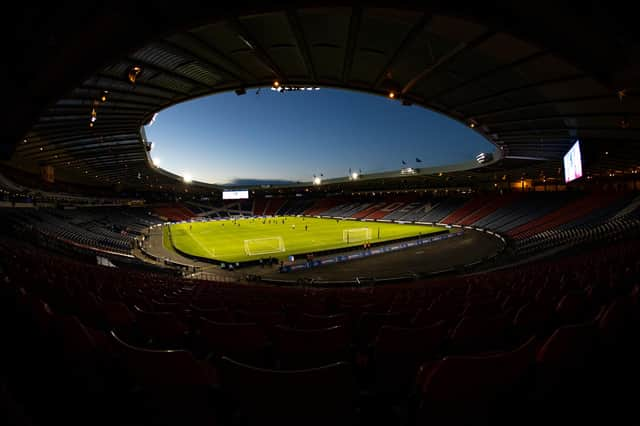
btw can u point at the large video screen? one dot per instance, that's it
(572, 163)
(235, 195)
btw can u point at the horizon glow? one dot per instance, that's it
(266, 136)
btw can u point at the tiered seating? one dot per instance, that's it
(346, 209)
(441, 210)
(174, 212)
(295, 207)
(387, 210)
(569, 212)
(273, 205)
(613, 229)
(489, 345)
(522, 210)
(373, 208)
(494, 202)
(466, 209)
(259, 206)
(410, 211)
(322, 205)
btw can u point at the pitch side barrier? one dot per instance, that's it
(372, 251)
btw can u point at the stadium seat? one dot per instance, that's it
(477, 335)
(475, 390)
(398, 352)
(168, 386)
(309, 321)
(370, 322)
(315, 396)
(566, 372)
(162, 329)
(299, 349)
(246, 342)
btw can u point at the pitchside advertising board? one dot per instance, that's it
(235, 195)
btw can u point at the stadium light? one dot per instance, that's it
(187, 178)
(317, 180)
(133, 73)
(354, 175)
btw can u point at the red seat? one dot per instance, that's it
(168, 386)
(398, 353)
(316, 396)
(295, 348)
(475, 335)
(162, 329)
(307, 321)
(474, 389)
(242, 341)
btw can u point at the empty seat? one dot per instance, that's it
(370, 323)
(315, 396)
(296, 348)
(474, 389)
(162, 329)
(475, 335)
(246, 342)
(307, 321)
(397, 354)
(566, 381)
(168, 386)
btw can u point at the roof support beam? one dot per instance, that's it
(229, 64)
(301, 42)
(352, 41)
(256, 48)
(539, 104)
(184, 51)
(528, 120)
(501, 93)
(409, 39)
(485, 74)
(444, 59)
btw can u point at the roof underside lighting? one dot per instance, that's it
(133, 73)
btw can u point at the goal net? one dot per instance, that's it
(354, 235)
(260, 246)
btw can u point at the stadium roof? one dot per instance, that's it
(531, 76)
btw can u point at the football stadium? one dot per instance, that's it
(313, 213)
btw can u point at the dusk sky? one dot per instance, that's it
(292, 136)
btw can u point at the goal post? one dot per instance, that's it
(260, 246)
(354, 235)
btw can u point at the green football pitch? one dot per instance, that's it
(252, 239)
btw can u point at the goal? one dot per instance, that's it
(260, 246)
(354, 235)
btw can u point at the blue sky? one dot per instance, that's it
(292, 136)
